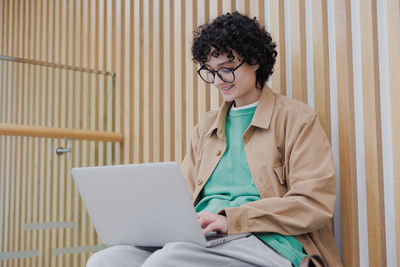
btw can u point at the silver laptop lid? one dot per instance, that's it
(139, 204)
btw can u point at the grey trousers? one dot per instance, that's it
(247, 251)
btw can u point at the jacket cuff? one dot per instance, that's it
(237, 220)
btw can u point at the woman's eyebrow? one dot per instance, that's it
(220, 64)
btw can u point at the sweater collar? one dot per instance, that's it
(262, 116)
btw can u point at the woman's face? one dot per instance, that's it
(242, 90)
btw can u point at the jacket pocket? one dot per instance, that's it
(279, 172)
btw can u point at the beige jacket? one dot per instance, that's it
(291, 163)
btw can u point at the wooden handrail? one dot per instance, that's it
(51, 132)
(52, 65)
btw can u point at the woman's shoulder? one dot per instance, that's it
(288, 106)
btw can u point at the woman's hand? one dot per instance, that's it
(211, 222)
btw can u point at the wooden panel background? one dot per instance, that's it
(340, 57)
(35, 184)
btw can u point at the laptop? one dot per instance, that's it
(142, 205)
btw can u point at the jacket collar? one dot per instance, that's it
(262, 116)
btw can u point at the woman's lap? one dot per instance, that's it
(249, 251)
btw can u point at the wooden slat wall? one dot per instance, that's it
(35, 184)
(158, 98)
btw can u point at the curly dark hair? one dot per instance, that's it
(239, 33)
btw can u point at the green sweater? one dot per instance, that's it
(231, 184)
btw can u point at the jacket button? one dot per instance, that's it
(219, 152)
(199, 181)
(238, 226)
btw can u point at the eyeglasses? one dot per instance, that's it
(225, 74)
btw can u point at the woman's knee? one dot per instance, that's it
(118, 256)
(97, 259)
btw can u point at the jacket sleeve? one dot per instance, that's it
(309, 202)
(189, 162)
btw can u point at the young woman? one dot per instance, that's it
(261, 164)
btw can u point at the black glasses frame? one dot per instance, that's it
(217, 72)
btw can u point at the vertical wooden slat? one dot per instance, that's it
(7, 38)
(9, 166)
(42, 91)
(62, 100)
(215, 10)
(125, 77)
(24, 163)
(72, 207)
(53, 205)
(2, 29)
(243, 6)
(151, 59)
(147, 119)
(107, 66)
(321, 64)
(393, 20)
(173, 81)
(13, 156)
(29, 217)
(85, 161)
(64, 185)
(19, 165)
(298, 50)
(156, 70)
(167, 88)
(102, 105)
(8, 199)
(35, 169)
(348, 176)
(38, 194)
(25, 150)
(2, 190)
(11, 32)
(16, 160)
(191, 81)
(118, 91)
(278, 79)
(94, 99)
(20, 29)
(65, 118)
(26, 17)
(204, 88)
(56, 176)
(7, 172)
(179, 118)
(8, 175)
(2, 153)
(136, 86)
(2, 194)
(228, 6)
(257, 10)
(46, 179)
(373, 136)
(7, 204)
(80, 236)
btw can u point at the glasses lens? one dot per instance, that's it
(226, 75)
(206, 75)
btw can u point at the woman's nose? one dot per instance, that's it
(218, 81)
